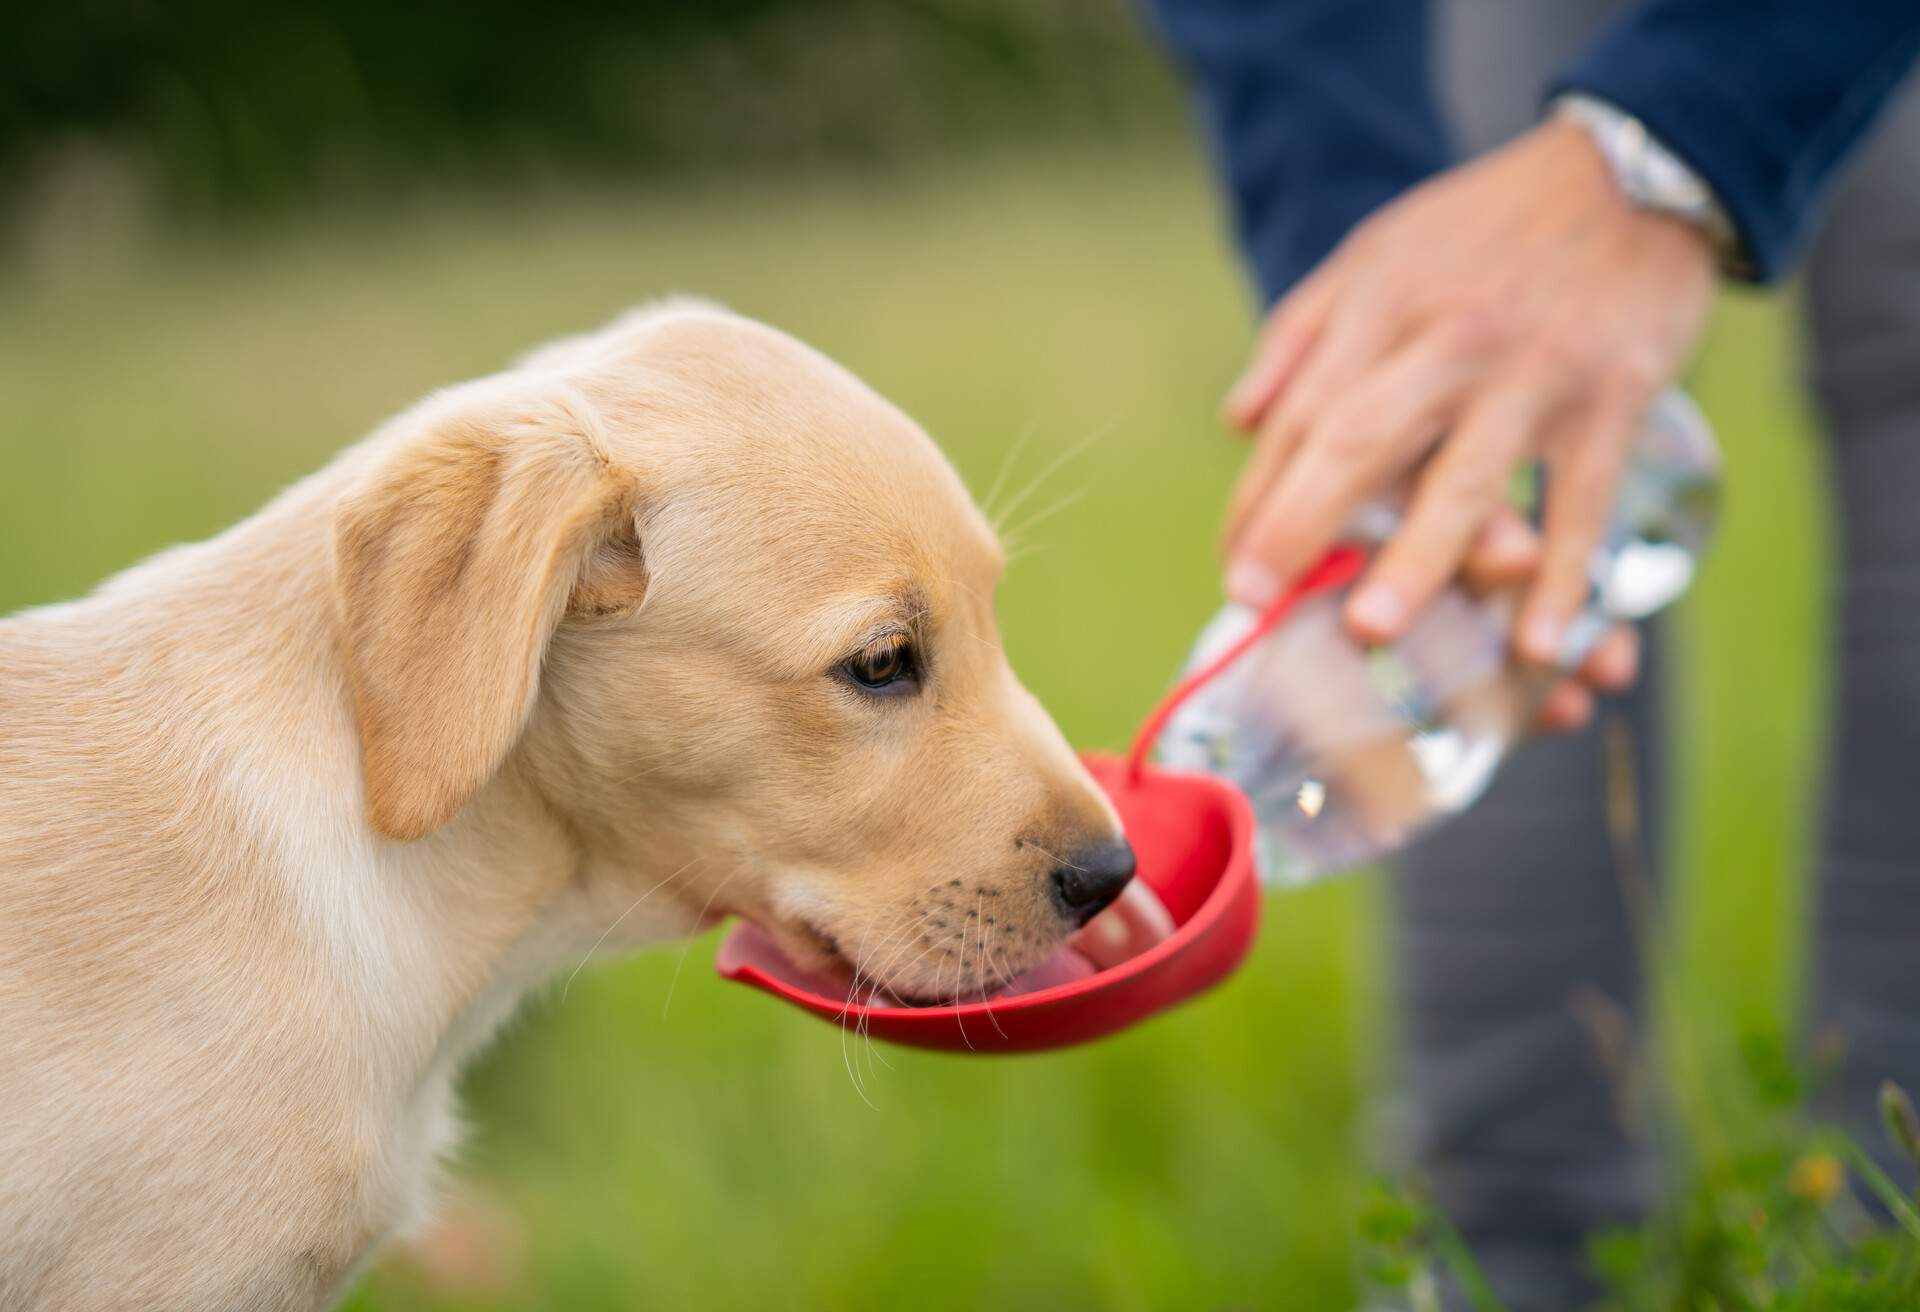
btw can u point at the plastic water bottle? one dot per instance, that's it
(1349, 751)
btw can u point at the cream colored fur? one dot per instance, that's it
(290, 819)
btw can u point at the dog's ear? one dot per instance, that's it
(454, 561)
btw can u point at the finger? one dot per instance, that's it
(1289, 413)
(1505, 554)
(1566, 709)
(1462, 487)
(1285, 338)
(1375, 432)
(1359, 326)
(1273, 447)
(1614, 662)
(1580, 487)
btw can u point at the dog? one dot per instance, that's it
(667, 622)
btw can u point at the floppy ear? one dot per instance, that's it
(453, 563)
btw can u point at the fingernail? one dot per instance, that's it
(1241, 394)
(1541, 639)
(1612, 667)
(1252, 584)
(1378, 608)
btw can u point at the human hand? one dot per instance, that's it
(1512, 309)
(1506, 557)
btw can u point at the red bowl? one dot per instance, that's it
(1193, 836)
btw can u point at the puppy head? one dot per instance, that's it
(732, 613)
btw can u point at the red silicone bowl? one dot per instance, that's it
(1193, 838)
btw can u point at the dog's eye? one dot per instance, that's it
(884, 666)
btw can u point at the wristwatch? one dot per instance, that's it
(1651, 177)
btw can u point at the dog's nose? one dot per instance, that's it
(1085, 886)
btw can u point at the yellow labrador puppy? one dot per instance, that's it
(667, 622)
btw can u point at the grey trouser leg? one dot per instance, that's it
(1514, 915)
(1522, 979)
(1515, 939)
(1863, 312)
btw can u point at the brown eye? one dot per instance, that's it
(884, 666)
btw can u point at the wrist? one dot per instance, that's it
(1650, 177)
(1588, 180)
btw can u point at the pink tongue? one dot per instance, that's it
(1063, 967)
(1123, 931)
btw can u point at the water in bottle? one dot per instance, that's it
(1349, 750)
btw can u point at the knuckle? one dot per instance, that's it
(1275, 434)
(1473, 484)
(1309, 396)
(1281, 441)
(1301, 399)
(1630, 377)
(1343, 438)
(1473, 324)
(1561, 351)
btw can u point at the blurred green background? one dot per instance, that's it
(994, 215)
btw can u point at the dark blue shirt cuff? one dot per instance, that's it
(1762, 98)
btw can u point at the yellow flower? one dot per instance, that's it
(1817, 1177)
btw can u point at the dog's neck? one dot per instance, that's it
(423, 947)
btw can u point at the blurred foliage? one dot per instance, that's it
(224, 105)
(1797, 1217)
(1405, 1244)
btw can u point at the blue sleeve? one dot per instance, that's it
(1320, 111)
(1762, 97)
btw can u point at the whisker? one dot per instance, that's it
(893, 944)
(980, 964)
(863, 1026)
(1005, 971)
(892, 941)
(853, 991)
(1047, 471)
(959, 967)
(608, 932)
(1027, 550)
(1059, 861)
(859, 1089)
(1039, 517)
(1007, 460)
(966, 588)
(688, 947)
(986, 603)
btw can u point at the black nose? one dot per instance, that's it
(1084, 886)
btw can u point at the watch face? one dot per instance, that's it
(1668, 184)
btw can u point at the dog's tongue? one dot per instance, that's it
(1129, 927)
(1064, 967)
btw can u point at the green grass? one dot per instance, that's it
(671, 1141)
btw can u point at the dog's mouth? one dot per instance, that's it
(833, 974)
(1129, 927)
